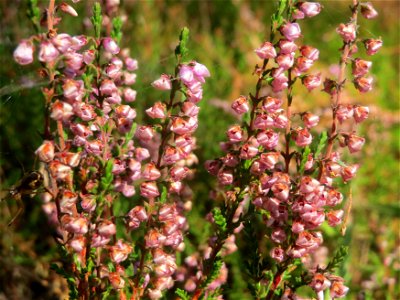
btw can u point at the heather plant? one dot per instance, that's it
(117, 193)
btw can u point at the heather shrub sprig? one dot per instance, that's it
(117, 193)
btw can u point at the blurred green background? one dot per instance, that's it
(223, 36)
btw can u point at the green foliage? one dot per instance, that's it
(304, 158)
(116, 32)
(214, 273)
(338, 259)
(97, 20)
(33, 13)
(182, 294)
(164, 194)
(108, 177)
(219, 219)
(181, 51)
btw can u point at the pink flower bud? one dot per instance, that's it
(297, 227)
(154, 239)
(310, 52)
(157, 111)
(131, 64)
(78, 225)
(291, 31)
(303, 64)
(319, 282)
(77, 42)
(338, 290)
(212, 166)
(360, 113)
(235, 134)
(361, 67)
(277, 254)
(88, 203)
(225, 176)
(263, 121)
(110, 45)
(129, 95)
(46, 151)
(268, 139)
(302, 137)
(310, 120)
(270, 159)
(354, 143)
(312, 81)
(372, 46)
(149, 190)
(200, 71)
(68, 9)
(368, 11)
(78, 243)
(129, 78)
(117, 282)
(171, 155)
(278, 235)
(287, 47)
(248, 151)
(120, 251)
(240, 105)
(334, 217)
(88, 56)
(285, 61)
(163, 83)
(280, 120)
(84, 111)
(178, 173)
(182, 126)
(344, 112)
(48, 52)
(349, 172)
(145, 133)
(150, 172)
(106, 228)
(266, 51)
(279, 83)
(310, 9)
(347, 32)
(108, 87)
(297, 14)
(363, 84)
(23, 54)
(62, 42)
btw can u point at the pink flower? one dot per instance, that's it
(361, 67)
(149, 190)
(368, 11)
(131, 64)
(287, 47)
(235, 134)
(303, 64)
(347, 32)
(145, 133)
(120, 251)
(291, 31)
(354, 143)
(266, 51)
(68, 9)
(150, 172)
(270, 159)
(157, 111)
(302, 137)
(110, 45)
(360, 113)
(278, 235)
(312, 81)
(344, 112)
(61, 110)
(310, 52)
(310, 9)
(78, 225)
(349, 172)
(163, 83)
(106, 228)
(363, 84)
(225, 176)
(23, 54)
(338, 290)
(310, 120)
(372, 46)
(319, 282)
(240, 105)
(285, 61)
(334, 217)
(46, 151)
(268, 139)
(88, 56)
(48, 52)
(277, 254)
(271, 104)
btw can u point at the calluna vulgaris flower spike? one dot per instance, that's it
(276, 174)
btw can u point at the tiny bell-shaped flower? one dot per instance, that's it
(68, 9)
(363, 84)
(310, 52)
(310, 120)
(266, 51)
(46, 151)
(277, 254)
(291, 31)
(368, 11)
(355, 143)
(149, 190)
(361, 67)
(347, 32)
(302, 137)
(338, 290)
(48, 52)
(240, 105)
(287, 47)
(372, 46)
(110, 45)
(235, 134)
(360, 113)
(23, 54)
(163, 83)
(157, 111)
(310, 9)
(312, 81)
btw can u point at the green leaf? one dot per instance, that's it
(164, 194)
(33, 13)
(181, 50)
(97, 19)
(116, 32)
(214, 271)
(182, 294)
(219, 219)
(304, 159)
(338, 259)
(321, 144)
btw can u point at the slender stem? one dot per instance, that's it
(50, 16)
(289, 122)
